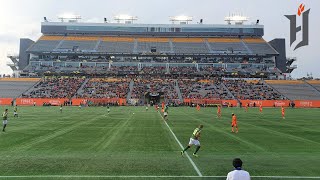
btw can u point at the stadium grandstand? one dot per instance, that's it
(149, 63)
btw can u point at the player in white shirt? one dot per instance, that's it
(238, 173)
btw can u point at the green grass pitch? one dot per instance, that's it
(132, 143)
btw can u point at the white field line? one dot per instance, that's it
(175, 137)
(105, 176)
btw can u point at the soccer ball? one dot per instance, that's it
(132, 113)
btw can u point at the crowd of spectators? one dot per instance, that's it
(253, 90)
(153, 70)
(104, 88)
(55, 87)
(203, 89)
(183, 70)
(154, 86)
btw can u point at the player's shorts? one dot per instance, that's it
(234, 124)
(165, 114)
(5, 122)
(194, 142)
(15, 113)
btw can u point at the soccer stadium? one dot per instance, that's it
(120, 100)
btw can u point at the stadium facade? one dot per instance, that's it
(237, 49)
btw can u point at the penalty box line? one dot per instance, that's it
(175, 137)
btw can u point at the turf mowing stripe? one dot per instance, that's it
(48, 136)
(175, 137)
(105, 176)
(250, 144)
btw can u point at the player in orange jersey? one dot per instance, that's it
(219, 111)
(234, 123)
(198, 107)
(246, 107)
(260, 108)
(282, 112)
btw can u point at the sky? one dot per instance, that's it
(22, 19)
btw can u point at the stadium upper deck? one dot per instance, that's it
(152, 39)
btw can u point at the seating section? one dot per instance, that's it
(55, 87)
(226, 45)
(189, 45)
(259, 46)
(104, 88)
(13, 88)
(160, 47)
(284, 82)
(295, 90)
(44, 45)
(153, 70)
(253, 90)
(145, 44)
(77, 45)
(183, 70)
(116, 47)
(154, 86)
(149, 81)
(315, 84)
(191, 88)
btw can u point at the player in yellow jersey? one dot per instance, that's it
(194, 140)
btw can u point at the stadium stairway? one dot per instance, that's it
(176, 86)
(28, 91)
(80, 90)
(59, 45)
(230, 94)
(130, 90)
(97, 45)
(208, 45)
(270, 86)
(135, 46)
(247, 48)
(311, 86)
(171, 46)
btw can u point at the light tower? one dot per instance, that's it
(180, 19)
(69, 17)
(236, 18)
(127, 19)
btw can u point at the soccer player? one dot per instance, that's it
(194, 140)
(165, 113)
(234, 123)
(147, 108)
(15, 111)
(108, 109)
(219, 111)
(282, 112)
(5, 120)
(260, 108)
(198, 107)
(246, 107)
(60, 108)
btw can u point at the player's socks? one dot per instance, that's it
(195, 155)
(186, 148)
(197, 149)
